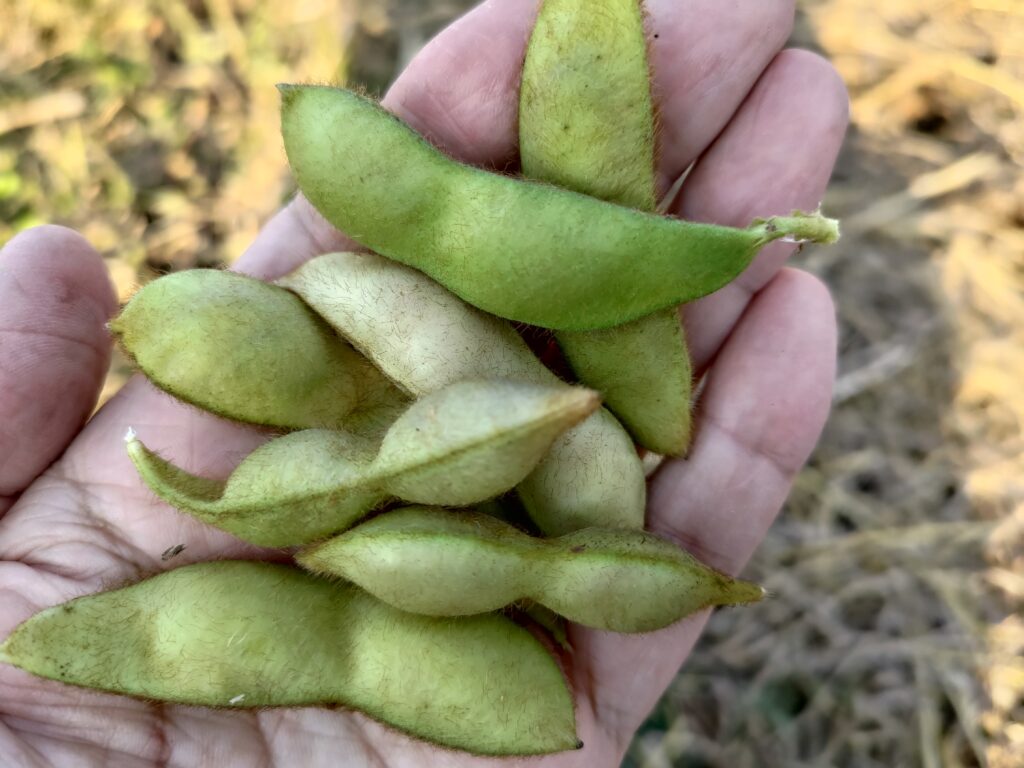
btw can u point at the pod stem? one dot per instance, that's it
(799, 227)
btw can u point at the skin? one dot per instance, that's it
(411, 203)
(463, 444)
(421, 559)
(767, 344)
(585, 73)
(424, 338)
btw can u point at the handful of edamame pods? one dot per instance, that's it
(395, 377)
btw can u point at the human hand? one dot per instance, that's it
(766, 128)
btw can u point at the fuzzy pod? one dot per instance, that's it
(644, 374)
(587, 122)
(440, 563)
(244, 635)
(586, 111)
(521, 250)
(464, 444)
(425, 338)
(249, 351)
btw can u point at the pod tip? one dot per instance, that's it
(115, 326)
(580, 402)
(289, 92)
(130, 435)
(745, 592)
(306, 557)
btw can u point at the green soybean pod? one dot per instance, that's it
(295, 489)
(240, 635)
(520, 250)
(464, 444)
(439, 563)
(249, 351)
(587, 123)
(644, 374)
(586, 112)
(425, 338)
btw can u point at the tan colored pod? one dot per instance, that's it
(244, 635)
(424, 338)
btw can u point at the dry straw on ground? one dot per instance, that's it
(894, 637)
(153, 127)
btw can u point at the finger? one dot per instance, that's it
(775, 156)
(766, 401)
(706, 55)
(55, 299)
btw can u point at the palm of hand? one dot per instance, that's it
(766, 127)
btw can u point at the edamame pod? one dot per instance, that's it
(643, 371)
(249, 351)
(520, 250)
(439, 563)
(586, 113)
(587, 123)
(596, 466)
(424, 338)
(467, 443)
(240, 635)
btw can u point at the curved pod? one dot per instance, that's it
(249, 351)
(464, 444)
(520, 250)
(239, 635)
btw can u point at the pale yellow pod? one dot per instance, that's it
(418, 333)
(589, 479)
(476, 440)
(424, 338)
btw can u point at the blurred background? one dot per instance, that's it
(895, 634)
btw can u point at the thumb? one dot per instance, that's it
(55, 298)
